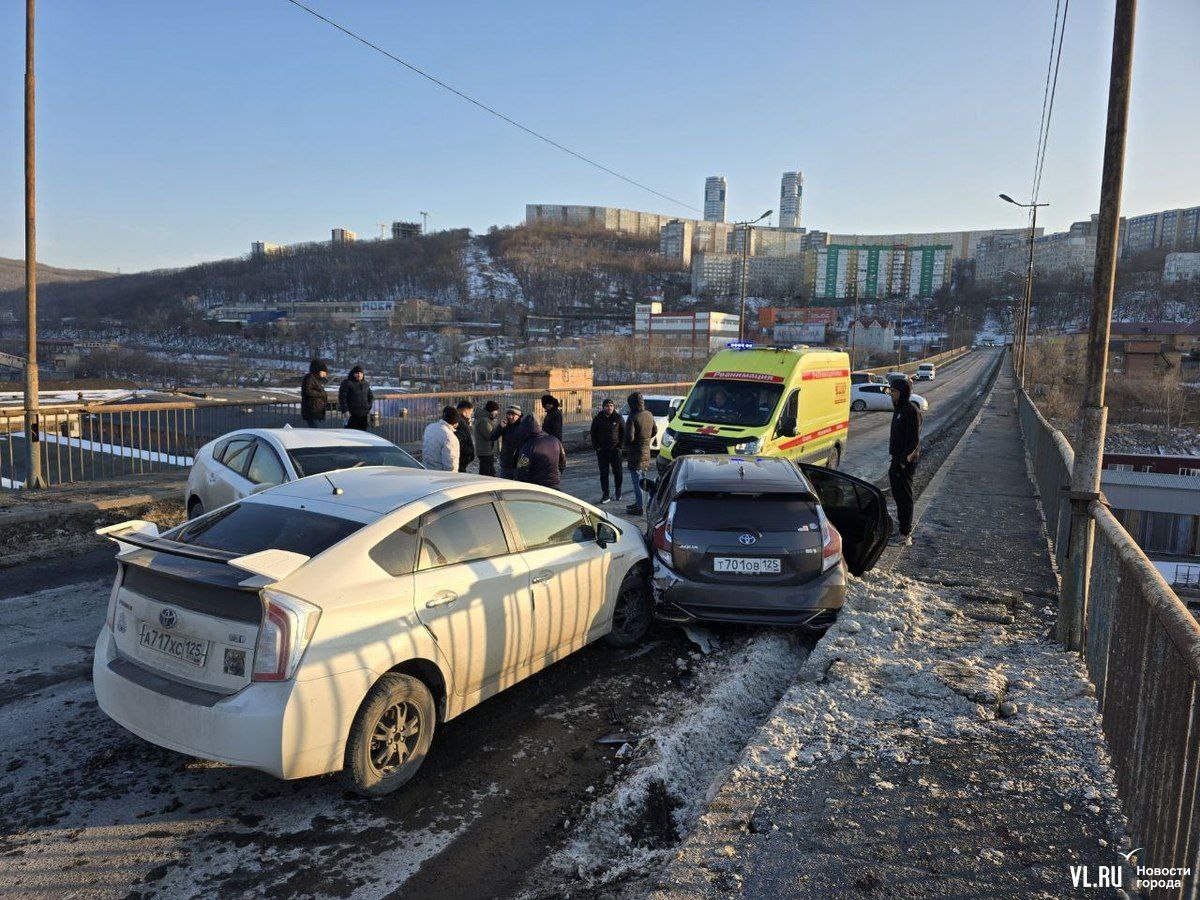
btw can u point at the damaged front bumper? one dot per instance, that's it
(814, 604)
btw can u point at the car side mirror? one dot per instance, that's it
(787, 426)
(586, 534)
(606, 534)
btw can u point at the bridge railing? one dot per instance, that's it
(1142, 651)
(82, 442)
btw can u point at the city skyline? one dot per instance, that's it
(263, 125)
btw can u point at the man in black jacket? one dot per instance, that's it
(355, 399)
(552, 421)
(542, 458)
(510, 442)
(608, 439)
(463, 431)
(313, 400)
(904, 446)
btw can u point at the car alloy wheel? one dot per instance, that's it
(390, 736)
(395, 737)
(631, 615)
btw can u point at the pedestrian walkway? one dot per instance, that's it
(938, 743)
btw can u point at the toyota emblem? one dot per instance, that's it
(167, 617)
(747, 539)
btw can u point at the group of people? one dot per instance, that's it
(355, 397)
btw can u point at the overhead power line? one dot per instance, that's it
(488, 109)
(1053, 62)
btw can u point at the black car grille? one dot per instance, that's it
(687, 444)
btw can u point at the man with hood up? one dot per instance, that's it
(904, 446)
(313, 399)
(542, 458)
(639, 429)
(355, 399)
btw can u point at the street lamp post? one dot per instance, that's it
(33, 445)
(1019, 349)
(747, 229)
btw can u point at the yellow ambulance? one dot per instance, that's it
(750, 400)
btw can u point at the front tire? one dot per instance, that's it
(632, 616)
(390, 736)
(858, 405)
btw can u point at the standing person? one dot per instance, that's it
(904, 446)
(542, 458)
(355, 399)
(464, 433)
(313, 399)
(608, 440)
(510, 443)
(488, 428)
(552, 421)
(439, 447)
(639, 429)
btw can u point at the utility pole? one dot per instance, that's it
(747, 231)
(1021, 326)
(33, 443)
(1093, 414)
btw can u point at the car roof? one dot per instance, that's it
(297, 438)
(740, 474)
(379, 490)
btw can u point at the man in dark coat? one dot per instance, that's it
(355, 399)
(639, 430)
(313, 400)
(904, 446)
(510, 442)
(608, 439)
(487, 429)
(552, 421)
(542, 458)
(463, 431)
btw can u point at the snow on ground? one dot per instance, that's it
(680, 762)
(486, 279)
(904, 664)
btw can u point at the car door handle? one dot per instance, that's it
(541, 576)
(441, 598)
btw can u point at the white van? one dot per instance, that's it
(925, 372)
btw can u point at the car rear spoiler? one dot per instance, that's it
(267, 565)
(129, 534)
(274, 565)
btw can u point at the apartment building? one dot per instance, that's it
(840, 271)
(720, 274)
(791, 199)
(1169, 229)
(714, 198)
(1070, 254)
(1181, 266)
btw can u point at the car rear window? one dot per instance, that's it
(763, 512)
(315, 460)
(252, 527)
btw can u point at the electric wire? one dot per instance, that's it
(488, 109)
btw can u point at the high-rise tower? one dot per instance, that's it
(791, 195)
(714, 198)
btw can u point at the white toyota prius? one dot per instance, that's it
(331, 623)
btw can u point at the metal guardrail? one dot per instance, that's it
(911, 366)
(93, 442)
(1142, 651)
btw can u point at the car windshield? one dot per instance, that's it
(315, 460)
(246, 528)
(730, 401)
(726, 512)
(658, 408)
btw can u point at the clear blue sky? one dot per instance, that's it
(176, 132)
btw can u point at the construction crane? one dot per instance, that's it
(424, 222)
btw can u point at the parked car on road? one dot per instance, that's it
(866, 378)
(662, 407)
(925, 372)
(331, 623)
(876, 397)
(760, 540)
(243, 462)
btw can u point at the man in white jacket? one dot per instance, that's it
(439, 448)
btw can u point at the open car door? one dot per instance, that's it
(857, 510)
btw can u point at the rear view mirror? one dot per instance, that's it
(606, 534)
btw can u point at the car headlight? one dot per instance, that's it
(668, 439)
(751, 446)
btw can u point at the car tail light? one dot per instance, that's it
(831, 542)
(660, 537)
(287, 626)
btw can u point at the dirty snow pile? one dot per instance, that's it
(679, 763)
(909, 662)
(486, 280)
